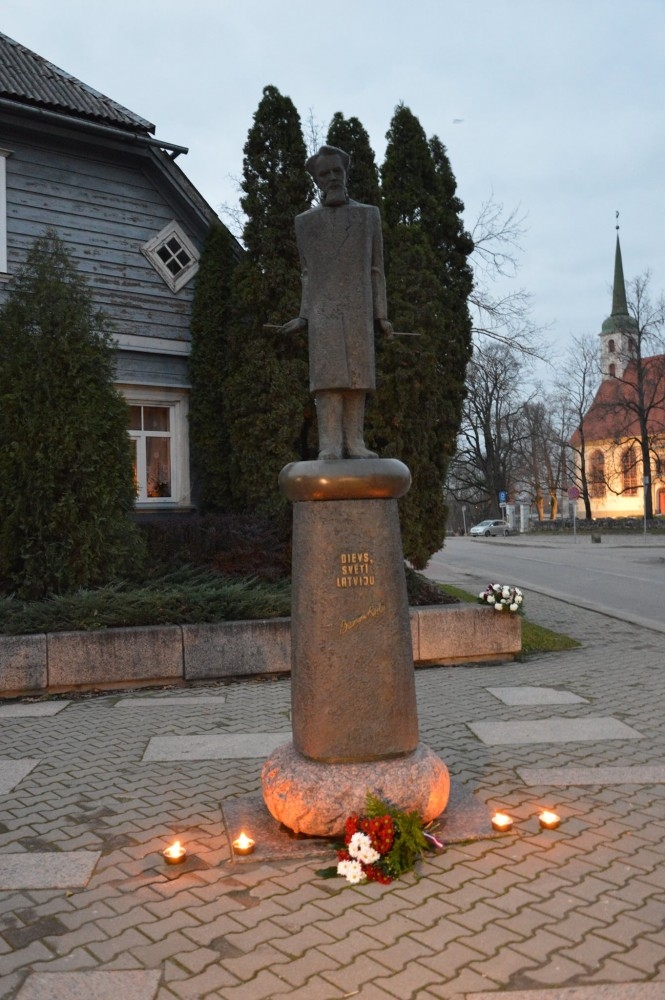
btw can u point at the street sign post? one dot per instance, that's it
(503, 499)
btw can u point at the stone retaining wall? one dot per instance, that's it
(611, 525)
(171, 654)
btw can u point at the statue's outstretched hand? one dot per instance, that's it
(385, 327)
(294, 326)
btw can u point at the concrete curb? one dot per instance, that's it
(168, 654)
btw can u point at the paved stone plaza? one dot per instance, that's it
(92, 789)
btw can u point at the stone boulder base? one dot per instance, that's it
(316, 798)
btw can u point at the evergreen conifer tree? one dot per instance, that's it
(66, 483)
(363, 180)
(420, 381)
(269, 414)
(211, 318)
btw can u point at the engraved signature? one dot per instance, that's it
(374, 611)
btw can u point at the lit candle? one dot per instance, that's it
(502, 822)
(175, 854)
(548, 820)
(243, 844)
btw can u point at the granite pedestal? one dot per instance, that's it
(354, 716)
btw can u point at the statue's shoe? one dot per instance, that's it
(360, 451)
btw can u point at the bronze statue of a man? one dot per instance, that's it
(343, 302)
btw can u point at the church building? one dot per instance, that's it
(626, 417)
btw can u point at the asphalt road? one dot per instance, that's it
(623, 576)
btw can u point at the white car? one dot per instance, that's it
(491, 527)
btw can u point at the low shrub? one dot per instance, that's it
(187, 596)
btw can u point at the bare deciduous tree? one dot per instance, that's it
(577, 384)
(501, 317)
(484, 464)
(542, 446)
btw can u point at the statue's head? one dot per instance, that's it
(329, 168)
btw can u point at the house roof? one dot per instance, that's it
(28, 79)
(612, 414)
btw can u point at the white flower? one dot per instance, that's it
(482, 596)
(368, 855)
(360, 847)
(513, 607)
(505, 593)
(498, 606)
(352, 871)
(518, 598)
(491, 599)
(357, 842)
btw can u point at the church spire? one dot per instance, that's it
(619, 331)
(619, 302)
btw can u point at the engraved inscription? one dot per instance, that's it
(374, 611)
(355, 570)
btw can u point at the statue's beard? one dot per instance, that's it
(335, 195)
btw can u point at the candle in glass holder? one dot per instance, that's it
(549, 820)
(175, 854)
(502, 822)
(243, 845)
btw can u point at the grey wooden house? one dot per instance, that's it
(76, 161)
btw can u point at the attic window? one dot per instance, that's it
(173, 256)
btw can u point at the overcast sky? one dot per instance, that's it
(553, 107)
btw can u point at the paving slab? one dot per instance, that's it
(553, 730)
(14, 771)
(529, 695)
(178, 701)
(214, 746)
(141, 985)
(603, 991)
(31, 709)
(638, 774)
(47, 870)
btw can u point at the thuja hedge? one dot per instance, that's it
(66, 483)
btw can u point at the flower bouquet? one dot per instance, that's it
(503, 597)
(381, 845)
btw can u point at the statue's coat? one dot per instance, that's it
(343, 292)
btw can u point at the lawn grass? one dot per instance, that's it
(535, 638)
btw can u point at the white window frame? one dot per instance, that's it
(4, 153)
(177, 402)
(150, 250)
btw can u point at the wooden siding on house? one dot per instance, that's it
(105, 206)
(136, 368)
